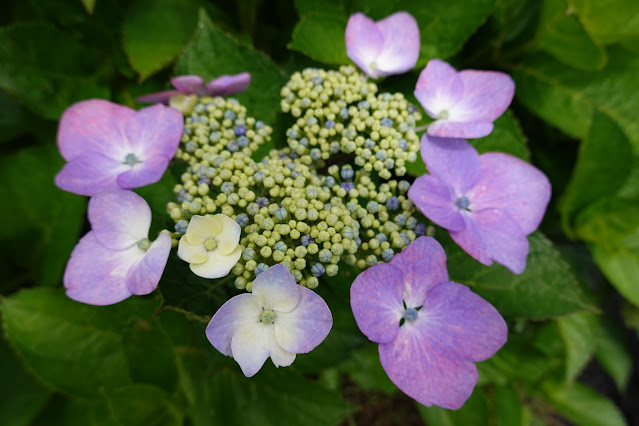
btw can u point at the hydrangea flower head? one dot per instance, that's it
(488, 202)
(279, 319)
(109, 146)
(211, 245)
(464, 103)
(386, 47)
(116, 259)
(224, 85)
(430, 330)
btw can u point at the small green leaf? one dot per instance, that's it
(89, 5)
(613, 354)
(579, 333)
(508, 408)
(155, 31)
(321, 37)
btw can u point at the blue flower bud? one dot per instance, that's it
(351, 206)
(248, 254)
(304, 142)
(330, 124)
(190, 146)
(400, 219)
(392, 203)
(233, 146)
(317, 270)
(372, 206)
(311, 121)
(369, 143)
(292, 133)
(329, 181)
(325, 255)
(347, 186)
(280, 246)
(371, 260)
(363, 105)
(261, 267)
(262, 202)
(381, 237)
(180, 226)
(316, 154)
(333, 148)
(259, 176)
(403, 185)
(227, 188)
(305, 102)
(280, 214)
(306, 240)
(386, 122)
(420, 229)
(242, 220)
(243, 141)
(240, 130)
(229, 114)
(344, 113)
(253, 209)
(347, 172)
(411, 109)
(387, 254)
(381, 154)
(316, 80)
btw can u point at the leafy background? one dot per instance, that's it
(573, 316)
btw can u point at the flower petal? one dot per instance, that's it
(217, 265)
(158, 97)
(423, 266)
(364, 42)
(401, 43)
(145, 173)
(94, 125)
(192, 253)
(97, 275)
(277, 289)
(453, 161)
(155, 130)
(252, 344)
(145, 275)
(89, 174)
(119, 218)
(302, 329)
(376, 301)
(487, 95)
(228, 239)
(202, 228)
(452, 129)
(242, 309)
(226, 85)
(189, 84)
(436, 202)
(513, 186)
(438, 87)
(491, 234)
(423, 370)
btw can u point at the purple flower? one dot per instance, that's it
(386, 47)
(278, 319)
(109, 146)
(488, 202)
(116, 259)
(464, 103)
(430, 330)
(224, 85)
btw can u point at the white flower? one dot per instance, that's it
(211, 245)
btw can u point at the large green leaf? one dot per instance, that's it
(567, 98)
(579, 333)
(609, 21)
(155, 31)
(213, 53)
(47, 70)
(613, 354)
(321, 37)
(547, 287)
(143, 405)
(81, 349)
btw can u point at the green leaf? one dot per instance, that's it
(604, 152)
(579, 333)
(155, 31)
(142, 405)
(14, 120)
(47, 70)
(547, 287)
(561, 34)
(567, 98)
(41, 223)
(321, 37)
(213, 53)
(608, 220)
(89, 5)
(365, 369)
(609, 21)
(613, 354)
(508, 408)
(582, 405)
(81, 349)
(320, 6)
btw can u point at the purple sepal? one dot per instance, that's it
(224, 85)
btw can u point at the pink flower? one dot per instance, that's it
(430, 330)
(386, 47)
(224, 85)
(109, 146)
(464, 103)
(116, 259)
(488, 202)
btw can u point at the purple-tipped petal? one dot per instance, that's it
(252, 344)
(401, 44)
(144, 276)
(436, 202)
(155, 130)
(145, 173)
(364, 42)
(302, 329)
(97, 275)
(513, 186)
(92, 126)
(89, 174)
(453, 161)
(438, 87)
(461, 322)
(376, 301)
(453, 129)
(189, 84)
(226, 85)
(158, 97)
(491, 234)
(119, 218)
(241, 309)
(277, 289)
(423, 266)
(487, 95)
(425, 371)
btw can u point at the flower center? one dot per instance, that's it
(131, 160)
(144, 244)
(462, 203)
(410, 314)
(443, 114)
(268, 316)
(210, 244)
